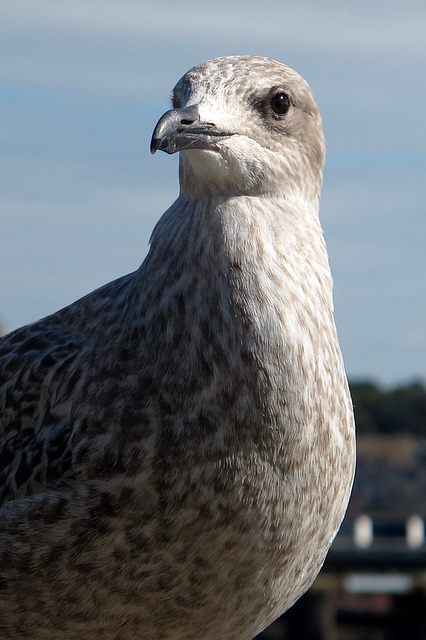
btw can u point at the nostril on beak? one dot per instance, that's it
(183, 121)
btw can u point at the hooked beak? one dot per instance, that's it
(180, 129)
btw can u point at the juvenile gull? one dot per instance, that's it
(178, 446)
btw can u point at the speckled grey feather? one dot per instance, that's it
(177, 448)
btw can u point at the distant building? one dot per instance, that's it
(388, 503)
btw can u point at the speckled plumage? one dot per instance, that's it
(177, 448)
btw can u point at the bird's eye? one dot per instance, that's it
(280, 103)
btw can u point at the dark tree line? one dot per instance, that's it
(389, 411)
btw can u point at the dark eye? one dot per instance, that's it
(280, 103)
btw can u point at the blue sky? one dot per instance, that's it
(82, 85)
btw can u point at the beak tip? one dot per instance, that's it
(167, 131)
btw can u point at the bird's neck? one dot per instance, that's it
(238, 295)
(275, 242)
(242, 268)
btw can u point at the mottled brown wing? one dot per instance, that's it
(35, 427)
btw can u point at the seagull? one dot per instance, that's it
(177, 447)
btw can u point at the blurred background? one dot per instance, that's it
(82, 85)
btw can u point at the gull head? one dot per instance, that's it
(245, 125)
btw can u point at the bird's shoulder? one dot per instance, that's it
(29, 357)
(41, 368)
(45, 353)
(33, 433)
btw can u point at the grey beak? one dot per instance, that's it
(180, 129)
